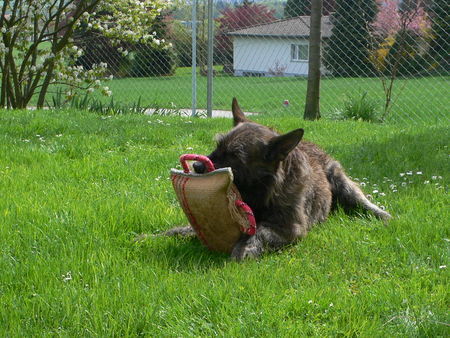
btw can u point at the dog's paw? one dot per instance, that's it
(247, 250)
(384, 216)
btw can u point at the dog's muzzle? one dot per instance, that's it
(199, 167)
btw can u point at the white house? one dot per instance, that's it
(278, 48)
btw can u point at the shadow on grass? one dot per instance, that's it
(179, 254)
(382, 156)
(408, 149)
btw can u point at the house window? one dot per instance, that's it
(299, 52)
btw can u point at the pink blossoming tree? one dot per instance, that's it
(392, 18)
(398, 35)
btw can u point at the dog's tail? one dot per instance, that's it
(348, 194)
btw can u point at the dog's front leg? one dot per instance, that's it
(266, 238)
(180, 231)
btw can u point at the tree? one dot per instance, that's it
(303, 7)
(346, 53)
(439, 12)
(37, 50)
(312, 107)
(152, 60)
(248, 14)
(397, 33)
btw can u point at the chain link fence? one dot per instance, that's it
(381, 59)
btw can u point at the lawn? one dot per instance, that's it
(78, 187)
(415, 99)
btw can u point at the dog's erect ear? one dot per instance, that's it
(238, 115)
(279, 147)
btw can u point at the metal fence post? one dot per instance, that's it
(194, 57)
(210, 59)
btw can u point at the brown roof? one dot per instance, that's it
(290, 28)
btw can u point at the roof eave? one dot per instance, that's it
(272, 35)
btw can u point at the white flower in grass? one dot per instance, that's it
(426, 182)
(331, 305)
(402, 174)
(363, 184)
(419, 173)
(310, 301)
(382, 194)
(443, 267)
(67, 277)
(375, 191)
(409, 173)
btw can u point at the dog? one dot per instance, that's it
(289, 183)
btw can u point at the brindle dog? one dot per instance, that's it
(290, 185)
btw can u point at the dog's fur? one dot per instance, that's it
(290, 185)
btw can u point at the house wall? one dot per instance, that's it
(266, 56)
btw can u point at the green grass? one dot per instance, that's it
(76, 188)
(415, 100)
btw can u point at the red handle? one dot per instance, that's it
(250, 216)
(200, 158)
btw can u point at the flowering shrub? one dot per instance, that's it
(37, 49)
(398, 43)
(400, 35)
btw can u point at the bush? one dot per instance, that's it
(358, 108)
(149, 61)
(361, 108)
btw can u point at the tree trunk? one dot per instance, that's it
(312, 107)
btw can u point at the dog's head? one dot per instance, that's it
(253, 151)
